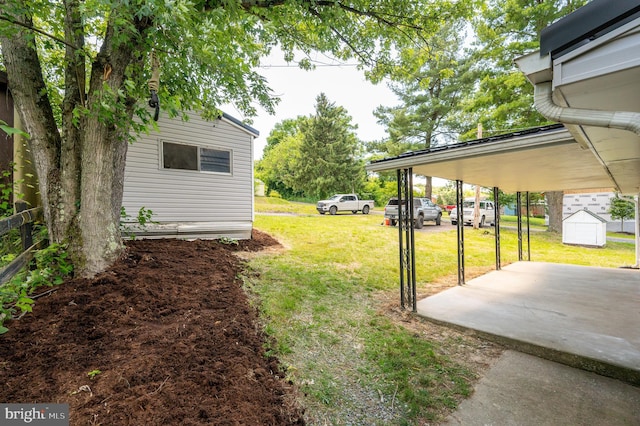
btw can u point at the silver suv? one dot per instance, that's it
(423, 210)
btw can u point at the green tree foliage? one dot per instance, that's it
(282, 130)
(330, 154)
(79, 74)
(379, 190)
(506, 29)
(622, 209)
(447, 194)
(502, 99)
(430, 84)
(427, 95)
(279, 164)
(314, 156)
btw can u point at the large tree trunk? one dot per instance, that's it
(428, 187)
(103, 160)
(554, 202)
(27, 87)
(103, 153)
(81, 169)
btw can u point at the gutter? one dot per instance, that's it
(543, 102)
(630, 121)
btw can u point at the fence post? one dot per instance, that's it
(26, 229)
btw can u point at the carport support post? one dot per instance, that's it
(410, 238)
(408, 293)
(400, 178)
(519, 217)
(460, 228)
(496, 205)
(528, 230)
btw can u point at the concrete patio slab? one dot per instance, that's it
(521, 389)
(585, 317)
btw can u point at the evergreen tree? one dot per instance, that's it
(429, 85)
(428, 93)
(330, 153)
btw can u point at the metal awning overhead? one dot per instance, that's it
(546, 158)
(586, 77)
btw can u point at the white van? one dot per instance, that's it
(487, 213)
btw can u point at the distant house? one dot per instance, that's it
(195, 176)
(596, 202)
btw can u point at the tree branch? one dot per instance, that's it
(248, 4)
(37, 30)
(344, 39)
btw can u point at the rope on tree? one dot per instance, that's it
(154, 85)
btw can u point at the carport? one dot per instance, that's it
(541, 159)
(587, 77)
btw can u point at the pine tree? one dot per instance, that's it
(330, 152)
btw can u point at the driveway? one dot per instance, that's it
(431, 227)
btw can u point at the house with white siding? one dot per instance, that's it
(196, 177)
(599, 203)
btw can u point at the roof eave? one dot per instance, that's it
(556, 136)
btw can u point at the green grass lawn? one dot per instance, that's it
(534, 222)
(278, 205)
(320, 303)
(624, 235)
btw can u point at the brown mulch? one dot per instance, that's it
(168, 335)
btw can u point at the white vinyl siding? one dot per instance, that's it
(187, 196)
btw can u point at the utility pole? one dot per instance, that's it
(476, 204)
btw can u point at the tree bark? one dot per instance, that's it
(554, 202)
(428, 187)
(81, 170)
(74, 96)
(27, 88)
(103, 154)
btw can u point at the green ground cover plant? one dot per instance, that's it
(320, 301)
(17, 295)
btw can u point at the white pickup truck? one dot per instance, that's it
(344, 202)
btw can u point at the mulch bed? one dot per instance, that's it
(168, 334)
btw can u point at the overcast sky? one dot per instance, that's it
(344, 85)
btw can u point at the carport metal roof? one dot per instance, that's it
(541, 159)
(586, 77)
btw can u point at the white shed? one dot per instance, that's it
(584, 228)
(195, 176)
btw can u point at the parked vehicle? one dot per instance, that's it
(487, 213)
(423, 210)
(344, 202)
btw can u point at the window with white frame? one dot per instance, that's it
(191, 157)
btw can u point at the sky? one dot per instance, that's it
(297, 89)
